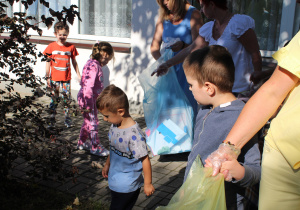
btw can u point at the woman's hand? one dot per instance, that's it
(226, 151)
(161, 70)
(177, 46)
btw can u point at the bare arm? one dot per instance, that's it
(261, 106)
(48, 73)
(106, 167)
(157, 40)
(75, 65)
(148, 187)
(249, 41)
(179, 58)
(196, 22)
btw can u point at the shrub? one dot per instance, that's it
(23, 130)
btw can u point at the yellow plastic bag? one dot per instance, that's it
(199, 191)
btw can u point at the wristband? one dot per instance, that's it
(232, 147)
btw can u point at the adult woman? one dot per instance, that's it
(177, 19)
(280, 179)
(233, 31)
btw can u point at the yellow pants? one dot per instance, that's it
(280, 183)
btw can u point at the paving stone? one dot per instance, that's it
(93, 175)
(176, 183)
(150, 202)
(174, 165)
(164, 202)
(102, 191)
(78, 188)
(66, 186)
(100, 184)
(166, 180)
(160, 170)
(137, 208)
(164, 188)
(86, 180)
(158, 175)
(50, 183)
(161, 194)
(163, 164)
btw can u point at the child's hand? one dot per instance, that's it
(232, 169)
(105, 171)
(48, 82)
(148, 189)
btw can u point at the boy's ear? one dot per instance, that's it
(121, 112)
(210, 88)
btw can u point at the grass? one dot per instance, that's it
(19, 195)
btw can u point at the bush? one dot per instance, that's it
(23, 129)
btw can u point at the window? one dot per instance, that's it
(267, 16)
(275, 21)
(105, 18)
(99, 17)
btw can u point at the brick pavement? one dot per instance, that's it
(168, 170)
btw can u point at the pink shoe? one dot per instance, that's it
(99, 150)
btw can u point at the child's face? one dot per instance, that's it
(61, 36)
(104, 58)
(199, 91)
(114, 118)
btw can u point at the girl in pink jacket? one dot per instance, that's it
(91, 86)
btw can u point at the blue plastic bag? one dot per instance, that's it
(168, 113)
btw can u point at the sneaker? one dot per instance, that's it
(68, 123)
(99, 150)
(83, 146)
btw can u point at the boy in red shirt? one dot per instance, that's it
(59, 55)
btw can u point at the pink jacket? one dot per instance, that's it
(91, 84)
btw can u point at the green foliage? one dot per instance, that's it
(23, 129)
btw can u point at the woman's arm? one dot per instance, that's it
(196, 22)
(179, 58)
(249, 41)
(257, 111)
(261, 106)
(157, 39)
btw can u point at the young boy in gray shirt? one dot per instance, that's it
(210, 74)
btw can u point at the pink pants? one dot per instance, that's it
(89, 128)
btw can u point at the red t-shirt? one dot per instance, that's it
(60, 66)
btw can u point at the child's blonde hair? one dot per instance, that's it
(212, 64)
(59, 26)
(102, 47)
(112, 98)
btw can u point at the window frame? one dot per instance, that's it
(120, 44)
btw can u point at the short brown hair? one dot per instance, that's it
(60, 25)
(102, 47)
(177, 5)
(211, 64)
(112, 98)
